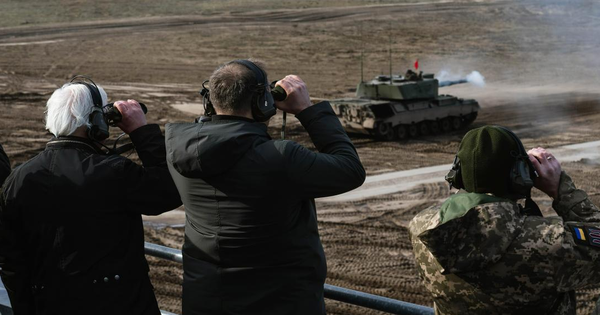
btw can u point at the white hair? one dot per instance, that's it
(69, 108)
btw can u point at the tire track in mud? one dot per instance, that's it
(64, 31)
(372, 252)
(67, 57)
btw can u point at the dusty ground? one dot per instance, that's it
(539, 59)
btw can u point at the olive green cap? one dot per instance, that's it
(487, 155)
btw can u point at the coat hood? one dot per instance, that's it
(472, 231)
(210, 148)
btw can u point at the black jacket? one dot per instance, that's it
(252, 245)
(4, 165)
(71, 234)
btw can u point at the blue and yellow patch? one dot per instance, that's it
(586, 235)
(579, 234)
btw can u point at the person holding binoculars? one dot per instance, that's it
(252, 244)
(71, 234)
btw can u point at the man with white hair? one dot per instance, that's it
(71, 234)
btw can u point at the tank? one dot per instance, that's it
(404, 106)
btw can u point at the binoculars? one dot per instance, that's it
(113, 116)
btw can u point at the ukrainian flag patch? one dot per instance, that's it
(579, 234)
(586, 235)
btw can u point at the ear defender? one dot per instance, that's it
(263, 104)
(522, 173)
(454, 177)
(521, 178)
(99, 129)
(209, 109)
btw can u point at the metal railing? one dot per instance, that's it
(332, 292)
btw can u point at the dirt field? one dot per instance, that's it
(539, 59)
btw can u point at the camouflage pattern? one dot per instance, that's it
(395, 107)
(495, 260)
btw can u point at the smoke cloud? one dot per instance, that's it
(445, 75)
(474, 77)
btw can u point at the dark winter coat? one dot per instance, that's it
(4, 165)
(252, 245)
(71, 234)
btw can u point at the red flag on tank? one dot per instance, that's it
(417, 64)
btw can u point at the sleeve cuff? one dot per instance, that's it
(315, 111)
(142, 132)
(568, 195)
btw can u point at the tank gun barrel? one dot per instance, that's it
(449, 83)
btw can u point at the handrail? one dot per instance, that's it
(354, 297)
(163, 252)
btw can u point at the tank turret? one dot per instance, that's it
(410, 87)
(399, 107)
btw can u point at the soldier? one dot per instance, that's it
(412, 76)
(481, 252)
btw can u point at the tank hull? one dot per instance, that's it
(400, 119)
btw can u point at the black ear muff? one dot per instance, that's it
(522, 173)
(521, 177)
(263, 105)
(454, 177)
(99, 129)
(209, 109)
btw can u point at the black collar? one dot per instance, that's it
(72, 141)
(224, 119)
(232, 117)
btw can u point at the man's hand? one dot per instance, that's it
(548, 168)
(297, 95)
(133, 116)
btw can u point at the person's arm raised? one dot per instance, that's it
(571, 203)
(149, 189)
(336, 168)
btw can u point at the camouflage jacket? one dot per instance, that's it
(491, 259)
